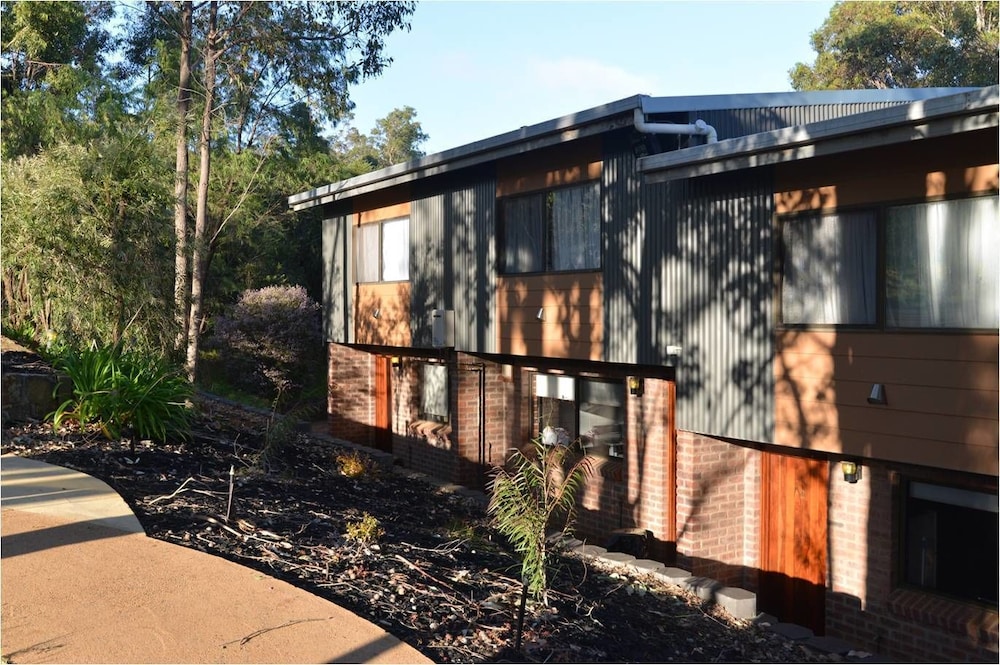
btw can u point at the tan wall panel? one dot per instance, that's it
(942, 393)
(932, 168)
(572, 324)
(576, 162)
(392, 327)
(384, 213)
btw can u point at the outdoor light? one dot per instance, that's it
(541, 314)
(397, 362)
(877, 395)
(635, 385)
(852, 471)
(377, 313)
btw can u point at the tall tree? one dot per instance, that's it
(397, 136)
(903, 45)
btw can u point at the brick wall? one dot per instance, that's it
(862, 606)
(351, 395)
(715, 502)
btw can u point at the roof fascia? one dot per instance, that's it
(929, 118)
(696, 103)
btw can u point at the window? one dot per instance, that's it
(589, 410)
(936, 270)
(434, 393)
(950, 541)
(382, 251)
(555, 230)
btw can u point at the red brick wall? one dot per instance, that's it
(351, 395)
(863, 607)
(716, 508)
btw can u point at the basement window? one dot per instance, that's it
(434, 392)
(591, 412)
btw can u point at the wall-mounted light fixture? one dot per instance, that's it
(877, 395)
(635, 385)
(541, 314)
(852, 471)
(377, 313)
(397, 362)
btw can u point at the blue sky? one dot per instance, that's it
(477, 69)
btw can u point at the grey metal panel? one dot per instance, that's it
(338, 323)
(730, 123)
(470, 232)
(427, 266)
(689, 264)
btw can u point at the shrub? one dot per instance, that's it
(270, 340)
(365, 531)
(355, 464)
(125, 393)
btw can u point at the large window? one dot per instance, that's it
(382, 251)
(554, 230)
(591, 411)
(950, 541)
(934, 261)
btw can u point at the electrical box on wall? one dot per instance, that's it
(442, 328)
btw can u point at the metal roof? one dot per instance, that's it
(584, 123)
(976, 108)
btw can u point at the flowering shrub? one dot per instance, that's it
(270, 340)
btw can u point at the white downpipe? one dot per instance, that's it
(700, 127)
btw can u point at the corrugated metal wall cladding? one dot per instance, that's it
(337, 256)
(731, 123)
(470, 230)
(429, 264)
(688, 263)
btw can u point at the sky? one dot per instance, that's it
(473, 70)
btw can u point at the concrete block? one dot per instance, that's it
(829, 645)
(616, 558)
(740, 603)
(671, 575)
(791, 631)
(645, 566)
(703, 587)
(590, 550)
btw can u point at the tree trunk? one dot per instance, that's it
(181, 180)
(198, 258)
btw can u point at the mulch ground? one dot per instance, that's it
(437, 577)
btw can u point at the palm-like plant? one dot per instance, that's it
(537, 495)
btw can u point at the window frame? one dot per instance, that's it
(902, 482)
(422, 413)
(604, 451)
(380, 258)
(881, 213)
(547, 229)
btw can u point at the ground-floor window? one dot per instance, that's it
(950, 541)
(434, 392)
(589, 411)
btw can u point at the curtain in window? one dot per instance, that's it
(366, 253)
(396, 250)
(576, 228)
(941, 260)
(830, 270)
(524, 242)
(434, 393)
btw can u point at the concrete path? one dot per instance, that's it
(81, 583)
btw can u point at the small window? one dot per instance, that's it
(434, 393)
(382, 251)
(950, 541)
(555, 230)
(588, 411)
(830, 269)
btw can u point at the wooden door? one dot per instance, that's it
(793, 554)
(383, 403)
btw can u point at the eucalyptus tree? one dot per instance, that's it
(256, 69)
(903, 45)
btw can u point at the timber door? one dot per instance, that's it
(383, 403)
(793, 533)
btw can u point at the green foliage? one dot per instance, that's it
(125, 393)
(527, 501)
(903, 45)
(355, 464)
(86, 242)
(365, 531)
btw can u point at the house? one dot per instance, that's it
(771, 319)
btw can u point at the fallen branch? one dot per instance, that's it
(176, 492)
(262, 631)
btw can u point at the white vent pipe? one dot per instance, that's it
(700, 127)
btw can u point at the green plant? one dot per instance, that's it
(365, 531)
(355, 464)
(126, 394)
